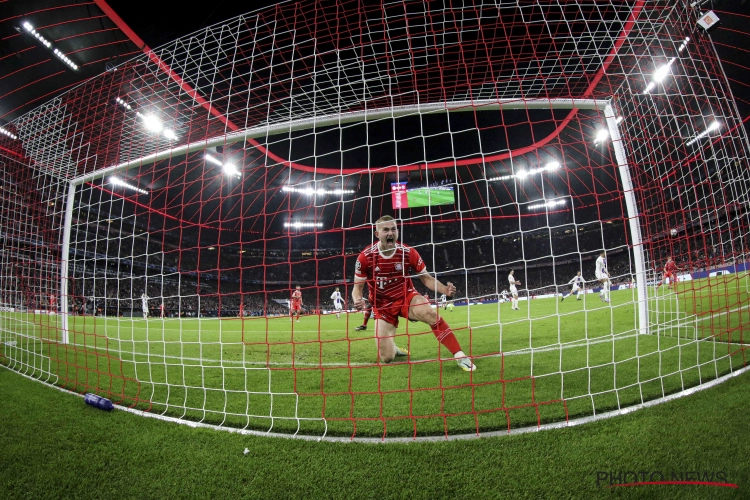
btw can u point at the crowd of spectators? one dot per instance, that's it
(109, 274)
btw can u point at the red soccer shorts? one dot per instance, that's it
(390, 311)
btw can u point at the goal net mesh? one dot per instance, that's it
(157, 219)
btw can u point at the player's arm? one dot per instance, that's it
(357, 290)
(435, 285)
(360, 278)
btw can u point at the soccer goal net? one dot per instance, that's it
(188, 234)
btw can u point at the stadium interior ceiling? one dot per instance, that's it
(188, 192)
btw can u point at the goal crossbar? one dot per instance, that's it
(339, 119)
(383, 113)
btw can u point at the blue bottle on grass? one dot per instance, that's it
(98, 402)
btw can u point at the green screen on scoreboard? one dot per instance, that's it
(404, 196)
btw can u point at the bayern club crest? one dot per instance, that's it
(398, 267)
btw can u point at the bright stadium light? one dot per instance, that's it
(30, 29)
(661, 73)
(213, 160)
(231, 169)
(301, 225)
(152, 123)
(228, 168)
(501, 178)
(312, 191)
(714, 126)
(522, 174)
(548, 204)
(116, 181)
(5, 132)
(683, 44)
(601, 136)
(123, 103)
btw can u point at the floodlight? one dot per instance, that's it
(153, 123)
(119, 182)
(5, 132)
(601, 135)
(30, 29)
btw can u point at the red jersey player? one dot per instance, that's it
(296, 308)
(670, 273)
(385, 265)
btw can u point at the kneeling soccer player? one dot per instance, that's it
(385, 265)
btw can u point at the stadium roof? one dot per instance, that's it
(31, 73)
(95, 34)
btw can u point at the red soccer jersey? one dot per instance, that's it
(296, 297)
(388, 277)
(670, 267)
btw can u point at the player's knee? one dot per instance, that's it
(387, 357)
(429, 316)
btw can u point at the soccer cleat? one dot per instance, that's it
(562, 298)
(401, 352)
(465, 364)
(360, 328)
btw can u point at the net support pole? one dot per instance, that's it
(64, 261)
(633, 217)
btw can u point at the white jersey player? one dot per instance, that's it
(337, 302)
(443, 301)
(513, 290)
(504, 295)
(144, 304)
(577, 286)
(603, 276)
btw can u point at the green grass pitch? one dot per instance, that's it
(547, 362)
